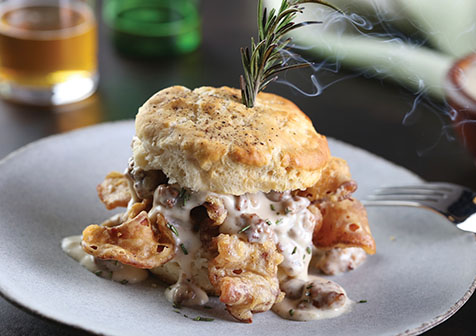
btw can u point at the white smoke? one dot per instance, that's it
(411, 42)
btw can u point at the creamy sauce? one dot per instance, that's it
(284, 219)
(339, 260)
(187, 246)
(72, 247)
(187, 293)
(129, 274)
(314, 299)
(290, 222)
(107, 269)
(287, 222)
(281, 217)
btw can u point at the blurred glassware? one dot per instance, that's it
(151, 28)
(461, 92)
(414, 43)
(47, 51)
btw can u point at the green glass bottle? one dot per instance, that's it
(152, 28)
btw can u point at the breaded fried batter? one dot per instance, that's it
(136, 242)
(244, 274)
(138, 207)
(335, 183)
(114, 191)
(344, 224)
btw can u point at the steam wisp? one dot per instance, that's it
(374, 45)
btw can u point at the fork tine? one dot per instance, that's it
(456, 203)
(403, 197)
(404, 191)
(368, 202)
(442, 187)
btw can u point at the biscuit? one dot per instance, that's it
(207, 140)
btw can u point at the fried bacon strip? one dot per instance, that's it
(244, 274)
(344, 224)
(136, 242)
(114, 191)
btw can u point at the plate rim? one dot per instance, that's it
(425, 326)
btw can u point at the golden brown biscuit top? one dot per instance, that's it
(210, 129)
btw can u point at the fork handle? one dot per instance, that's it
(464, 207)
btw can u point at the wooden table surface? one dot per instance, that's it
(364, 112)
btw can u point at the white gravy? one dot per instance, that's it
(108, 269)
(287, 221)
(72, 247)
(298, 303)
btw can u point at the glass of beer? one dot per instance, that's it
(47, 51)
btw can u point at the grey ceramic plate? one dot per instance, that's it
(415, 280)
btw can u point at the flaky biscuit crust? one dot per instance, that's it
(207, 140)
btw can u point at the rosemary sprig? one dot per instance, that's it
(265, 60)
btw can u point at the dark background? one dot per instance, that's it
(364, 112)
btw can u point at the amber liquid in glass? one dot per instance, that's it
(43, 44)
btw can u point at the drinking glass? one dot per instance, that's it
(460, 88)
(152, 28)
(47, 51)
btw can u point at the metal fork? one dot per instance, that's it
(454, 202)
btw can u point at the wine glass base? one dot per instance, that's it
(74, 89)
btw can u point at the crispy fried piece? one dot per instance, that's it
(136, 242)
(245, 276)
(136, 208)
(215, 209)
(344, 224)
(114, 191)
(335, 183)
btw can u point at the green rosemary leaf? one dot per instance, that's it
(173, 229)
(288, 67)
(244, 229)
(264, 60)
(184, 195)
(184, 250)
(205, 319)
(320, 2)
